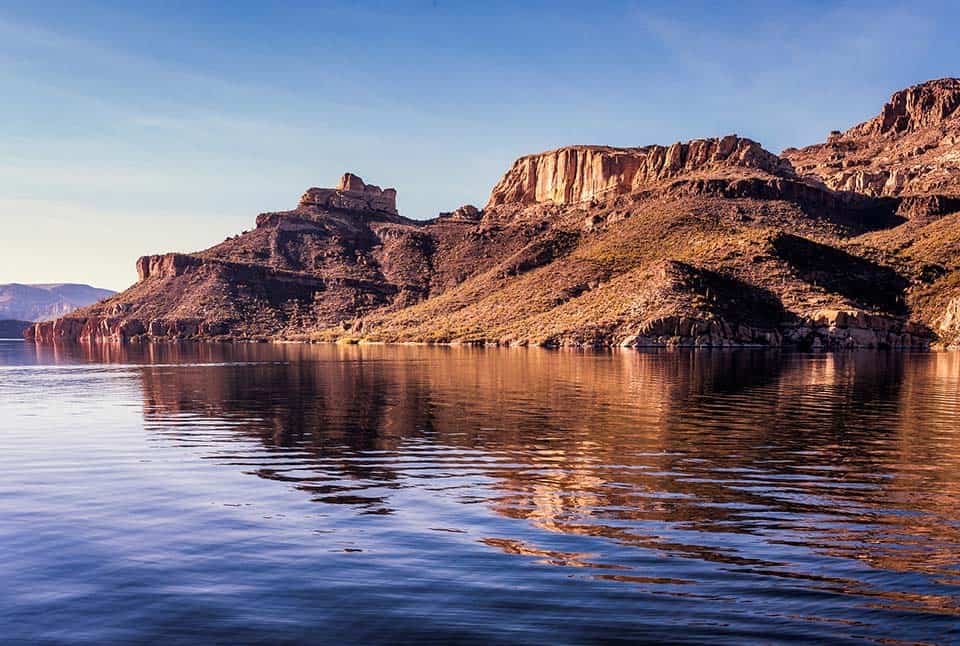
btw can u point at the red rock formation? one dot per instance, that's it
(580, 173)
(465, 213)
(165, 265)
(352, 194)
(915, 108)
(911, 148)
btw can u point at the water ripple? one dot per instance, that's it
(247, 493)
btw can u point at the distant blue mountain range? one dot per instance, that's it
(44, 302)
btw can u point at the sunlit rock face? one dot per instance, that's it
(580, 173)
(911, 148)
(352, 194)
(917, 107)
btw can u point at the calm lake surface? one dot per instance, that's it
(259, 493)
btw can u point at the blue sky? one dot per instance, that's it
(135, 128)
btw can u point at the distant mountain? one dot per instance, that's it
(45, 302)
(13, 329)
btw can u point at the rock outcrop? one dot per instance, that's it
(949, 327)
(165, 266)
(352, 194)
(827, 330)
(581, 173)
(918, 107)
(465, 213)
(912, 148)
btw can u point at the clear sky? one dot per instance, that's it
(145, 127)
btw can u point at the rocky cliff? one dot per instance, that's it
(582, 173)
(930, 104)
(912, 148)
(709, 243)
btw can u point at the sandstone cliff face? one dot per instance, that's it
(912, 148)
(165, 265)
(582, 173)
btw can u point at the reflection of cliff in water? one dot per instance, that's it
(657, 450)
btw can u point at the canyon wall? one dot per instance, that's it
(581, 173)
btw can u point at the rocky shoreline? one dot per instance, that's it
(827, 330)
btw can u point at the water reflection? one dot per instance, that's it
(704, 475)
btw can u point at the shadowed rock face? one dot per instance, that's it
(863, 281)
(709, 243)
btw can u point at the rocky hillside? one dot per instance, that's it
(45, 302)
(713, 242)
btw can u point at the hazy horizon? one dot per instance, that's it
(135, 130)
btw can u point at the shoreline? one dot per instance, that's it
(791, 348)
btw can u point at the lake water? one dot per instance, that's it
(260, 493)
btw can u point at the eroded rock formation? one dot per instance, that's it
(912, 148)
(581, 173)
(918, 107)
(352, 194)
(467, 213)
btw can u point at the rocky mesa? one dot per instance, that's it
(706, 243)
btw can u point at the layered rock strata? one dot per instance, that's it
(352, 194)
(581, 173)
